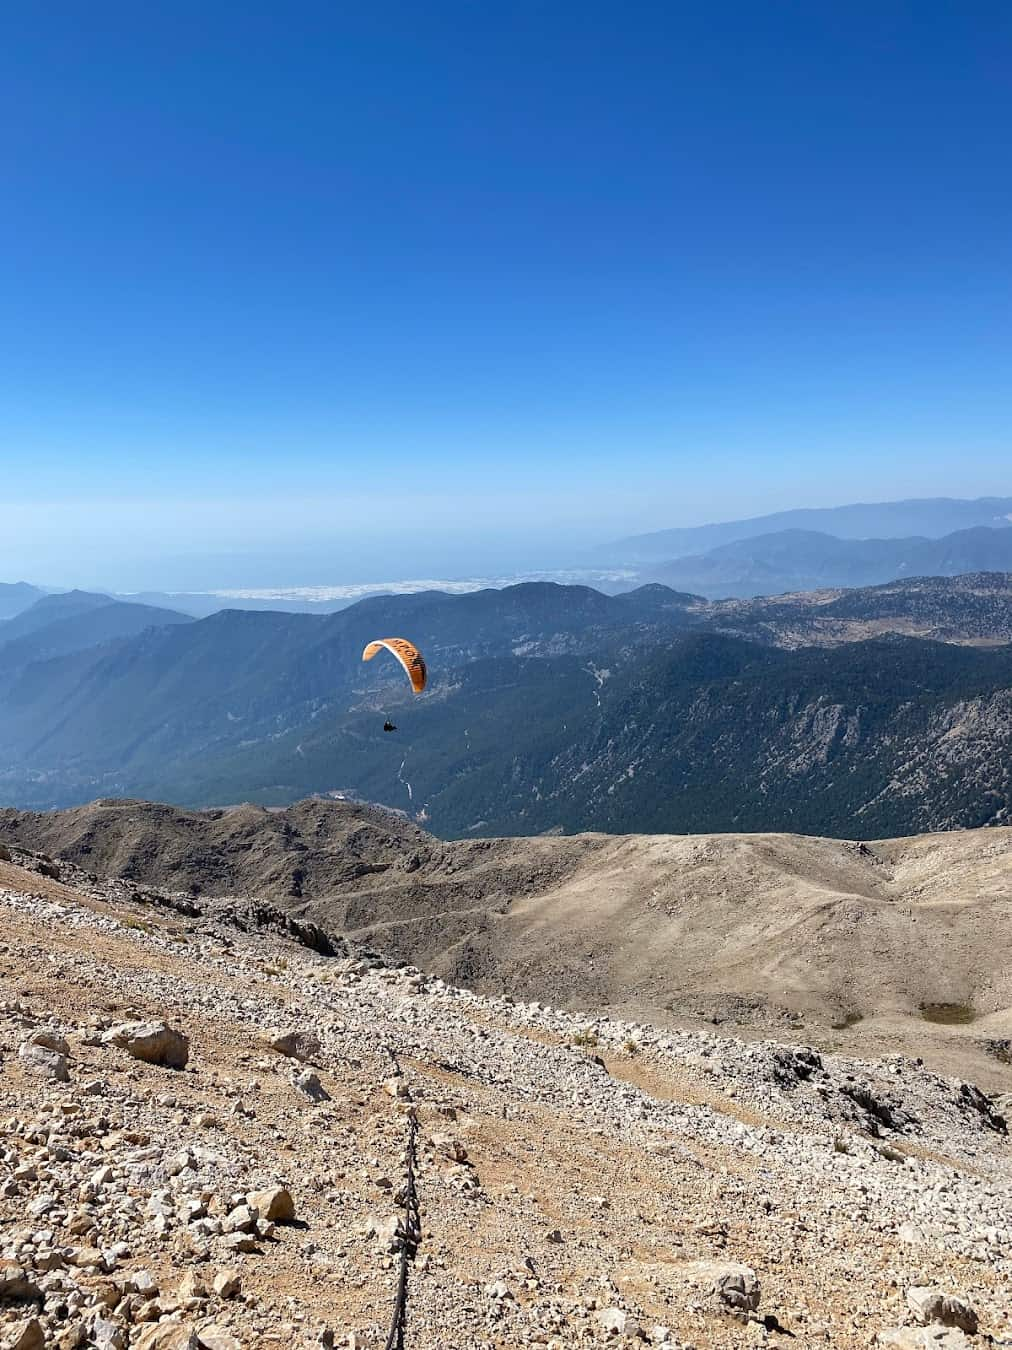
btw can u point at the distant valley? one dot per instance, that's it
(551, 708)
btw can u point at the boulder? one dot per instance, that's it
(931, 1305)
(217, 1338)
(152, 1042)
(295, 1042)
(41, 1060)
(274, 1204)
(737, 1288)
(167, 1335)
(227, 1283)
(26, 1335)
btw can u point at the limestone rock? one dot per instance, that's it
(612, 1321)
(309, 1083)
(192, 1288)
(50, 1040)
(217, 1338)
(108, 1335)
(41, 1060)
(923, 1338)
(227, 1283)
(930, 1304)
(26, 1335)
(16, 1285)
(141, 1282)
(736, 1286)
(295, 1042)
(242, 1219)
(274, 1204)
(167, 1335)
(152, 1042)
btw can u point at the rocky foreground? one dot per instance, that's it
(203, 1123)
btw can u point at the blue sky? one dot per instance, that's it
(532, 275)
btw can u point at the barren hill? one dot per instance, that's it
(579, 1181)
(894, 943)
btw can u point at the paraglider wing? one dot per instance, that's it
(408, 655)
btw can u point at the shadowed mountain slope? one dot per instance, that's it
(550, 708)
(72, 629)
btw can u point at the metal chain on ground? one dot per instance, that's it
(410, 1238)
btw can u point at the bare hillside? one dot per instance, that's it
(894, 944)
(204, 1141)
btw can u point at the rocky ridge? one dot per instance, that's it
(581, 1180)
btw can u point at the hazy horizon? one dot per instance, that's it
(347, 568)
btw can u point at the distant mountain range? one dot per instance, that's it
(56, 625)
(929, 517)
(550, 708)
(17, 596)
(805, 560)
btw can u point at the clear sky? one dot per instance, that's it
(525, 275)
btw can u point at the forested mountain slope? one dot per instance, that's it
(549, 708)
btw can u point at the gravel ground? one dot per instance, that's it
(580, 1180)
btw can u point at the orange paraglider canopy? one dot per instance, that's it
(408, 655)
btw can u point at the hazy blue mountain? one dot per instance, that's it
(50, 609)
(930, 517)
(15, 597)
(236, 675)
(550, 708)
(805, 560)
(76, 628)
